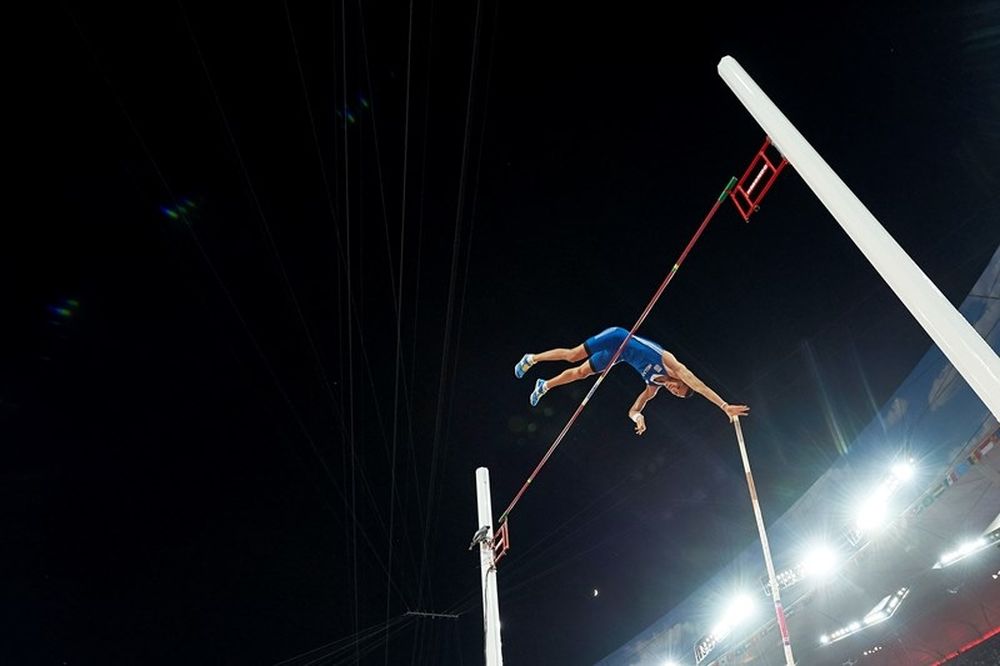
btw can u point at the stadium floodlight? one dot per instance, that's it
(882, 611)
(669, 662)
(963, 551)
(819, 562)
(872, 512)
(738, 610)
(875, 617)
(903, 471)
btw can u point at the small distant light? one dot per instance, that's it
(875, 617)
(964, 550)
(596, 592)
(824, 639)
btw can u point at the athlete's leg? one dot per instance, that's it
(577, 353)
(565, 377)
(608, 339)
(573, 355)
(581, 371)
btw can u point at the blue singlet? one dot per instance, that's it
(645, 356)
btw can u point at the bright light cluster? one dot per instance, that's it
(871, 651)
(873, 511)
(882, 611)
(741, 608)
(818, 564)
(968, 548)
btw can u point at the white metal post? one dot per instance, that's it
(778, 610)
(958, 340)
(488, 571)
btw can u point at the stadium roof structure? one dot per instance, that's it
(923, 586)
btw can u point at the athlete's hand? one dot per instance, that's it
(735, 410)
(640, 424)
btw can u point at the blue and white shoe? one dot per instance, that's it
(523, 365)
(540, 390)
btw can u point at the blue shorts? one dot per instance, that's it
(645, 356)
(601, 348)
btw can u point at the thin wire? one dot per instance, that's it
(340, 256)
(472, 220)
(419, 244)
(378, 152)
(224, 289)
(420, 234)
(353, 638)
(614, 359)
(287, 281)
(399, 309)
(341, 259)
(350, 310)
(370, 637)
(472, 211)
(438, 425)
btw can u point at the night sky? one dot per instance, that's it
(271, 268)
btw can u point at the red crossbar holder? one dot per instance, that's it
(761, 175)
(501, 542)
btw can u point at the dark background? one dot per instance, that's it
(252, 430)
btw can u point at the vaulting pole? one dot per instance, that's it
(775, 595)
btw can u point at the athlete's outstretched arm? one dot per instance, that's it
(635, 412)
(689, 378)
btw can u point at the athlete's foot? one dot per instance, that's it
(540, 390)
(523, 365)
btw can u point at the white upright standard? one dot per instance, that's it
(958, 340)
(488, 570)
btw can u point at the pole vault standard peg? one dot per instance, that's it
(481, 535)
(756, 181)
